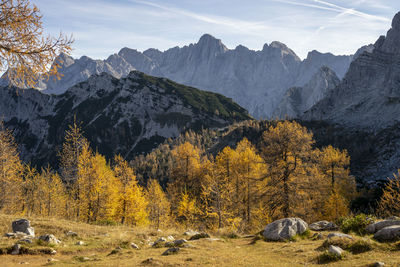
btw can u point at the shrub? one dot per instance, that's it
(360, 246)
(305, 235)
(355, 224)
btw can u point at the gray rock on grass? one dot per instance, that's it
(284, 229)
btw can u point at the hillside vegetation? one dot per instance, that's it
(100, 241)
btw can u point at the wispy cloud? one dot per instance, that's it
(102, 27)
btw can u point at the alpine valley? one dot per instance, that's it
(132, 101)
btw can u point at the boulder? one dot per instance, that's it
(284, 229)
(335, 250)
(340, 235)
(390, 233)
(24, 226)
(51, 239)
(323, 226)
(170, 251)
(375, 227)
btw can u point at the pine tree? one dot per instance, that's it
(158, 206)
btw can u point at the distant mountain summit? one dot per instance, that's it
(128, 116)
(257, 80)
(369, 94)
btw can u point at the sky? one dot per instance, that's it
(101, 28)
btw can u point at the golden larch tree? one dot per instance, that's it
(10, 171)
(130, 203)
(25, 52)
(389, 203)
(158, 206)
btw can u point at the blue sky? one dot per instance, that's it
(101, 28)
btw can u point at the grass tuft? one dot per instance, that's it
(328, 257)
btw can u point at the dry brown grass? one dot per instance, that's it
(101, 240)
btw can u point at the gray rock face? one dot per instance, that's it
(284, 229)
(23, 226)
(369, 95)
(390, 233)
(299, 99)
(375, 227)
(323, 226)
(257, 80)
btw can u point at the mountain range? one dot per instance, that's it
(257, 80)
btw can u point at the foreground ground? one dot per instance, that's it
(100, 241)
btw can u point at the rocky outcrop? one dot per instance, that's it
(299, 99)
(284, 229)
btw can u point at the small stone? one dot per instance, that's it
(323, 226)
(53, 252)
(170, 238)
(190, 233)
(71, 234)
(51, 239)
(331, 235)
(170, 251)
(199, 236)
(159, 242)
(134, 246)
(378, 264)
(80, 243)
(335, 250)
(16, 249)
(52, 260)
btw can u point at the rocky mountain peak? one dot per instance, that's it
(210, 42)
(391, 44)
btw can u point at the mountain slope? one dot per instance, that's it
(369, 94)
(257, 80)
(299, 99)
(128, 116)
